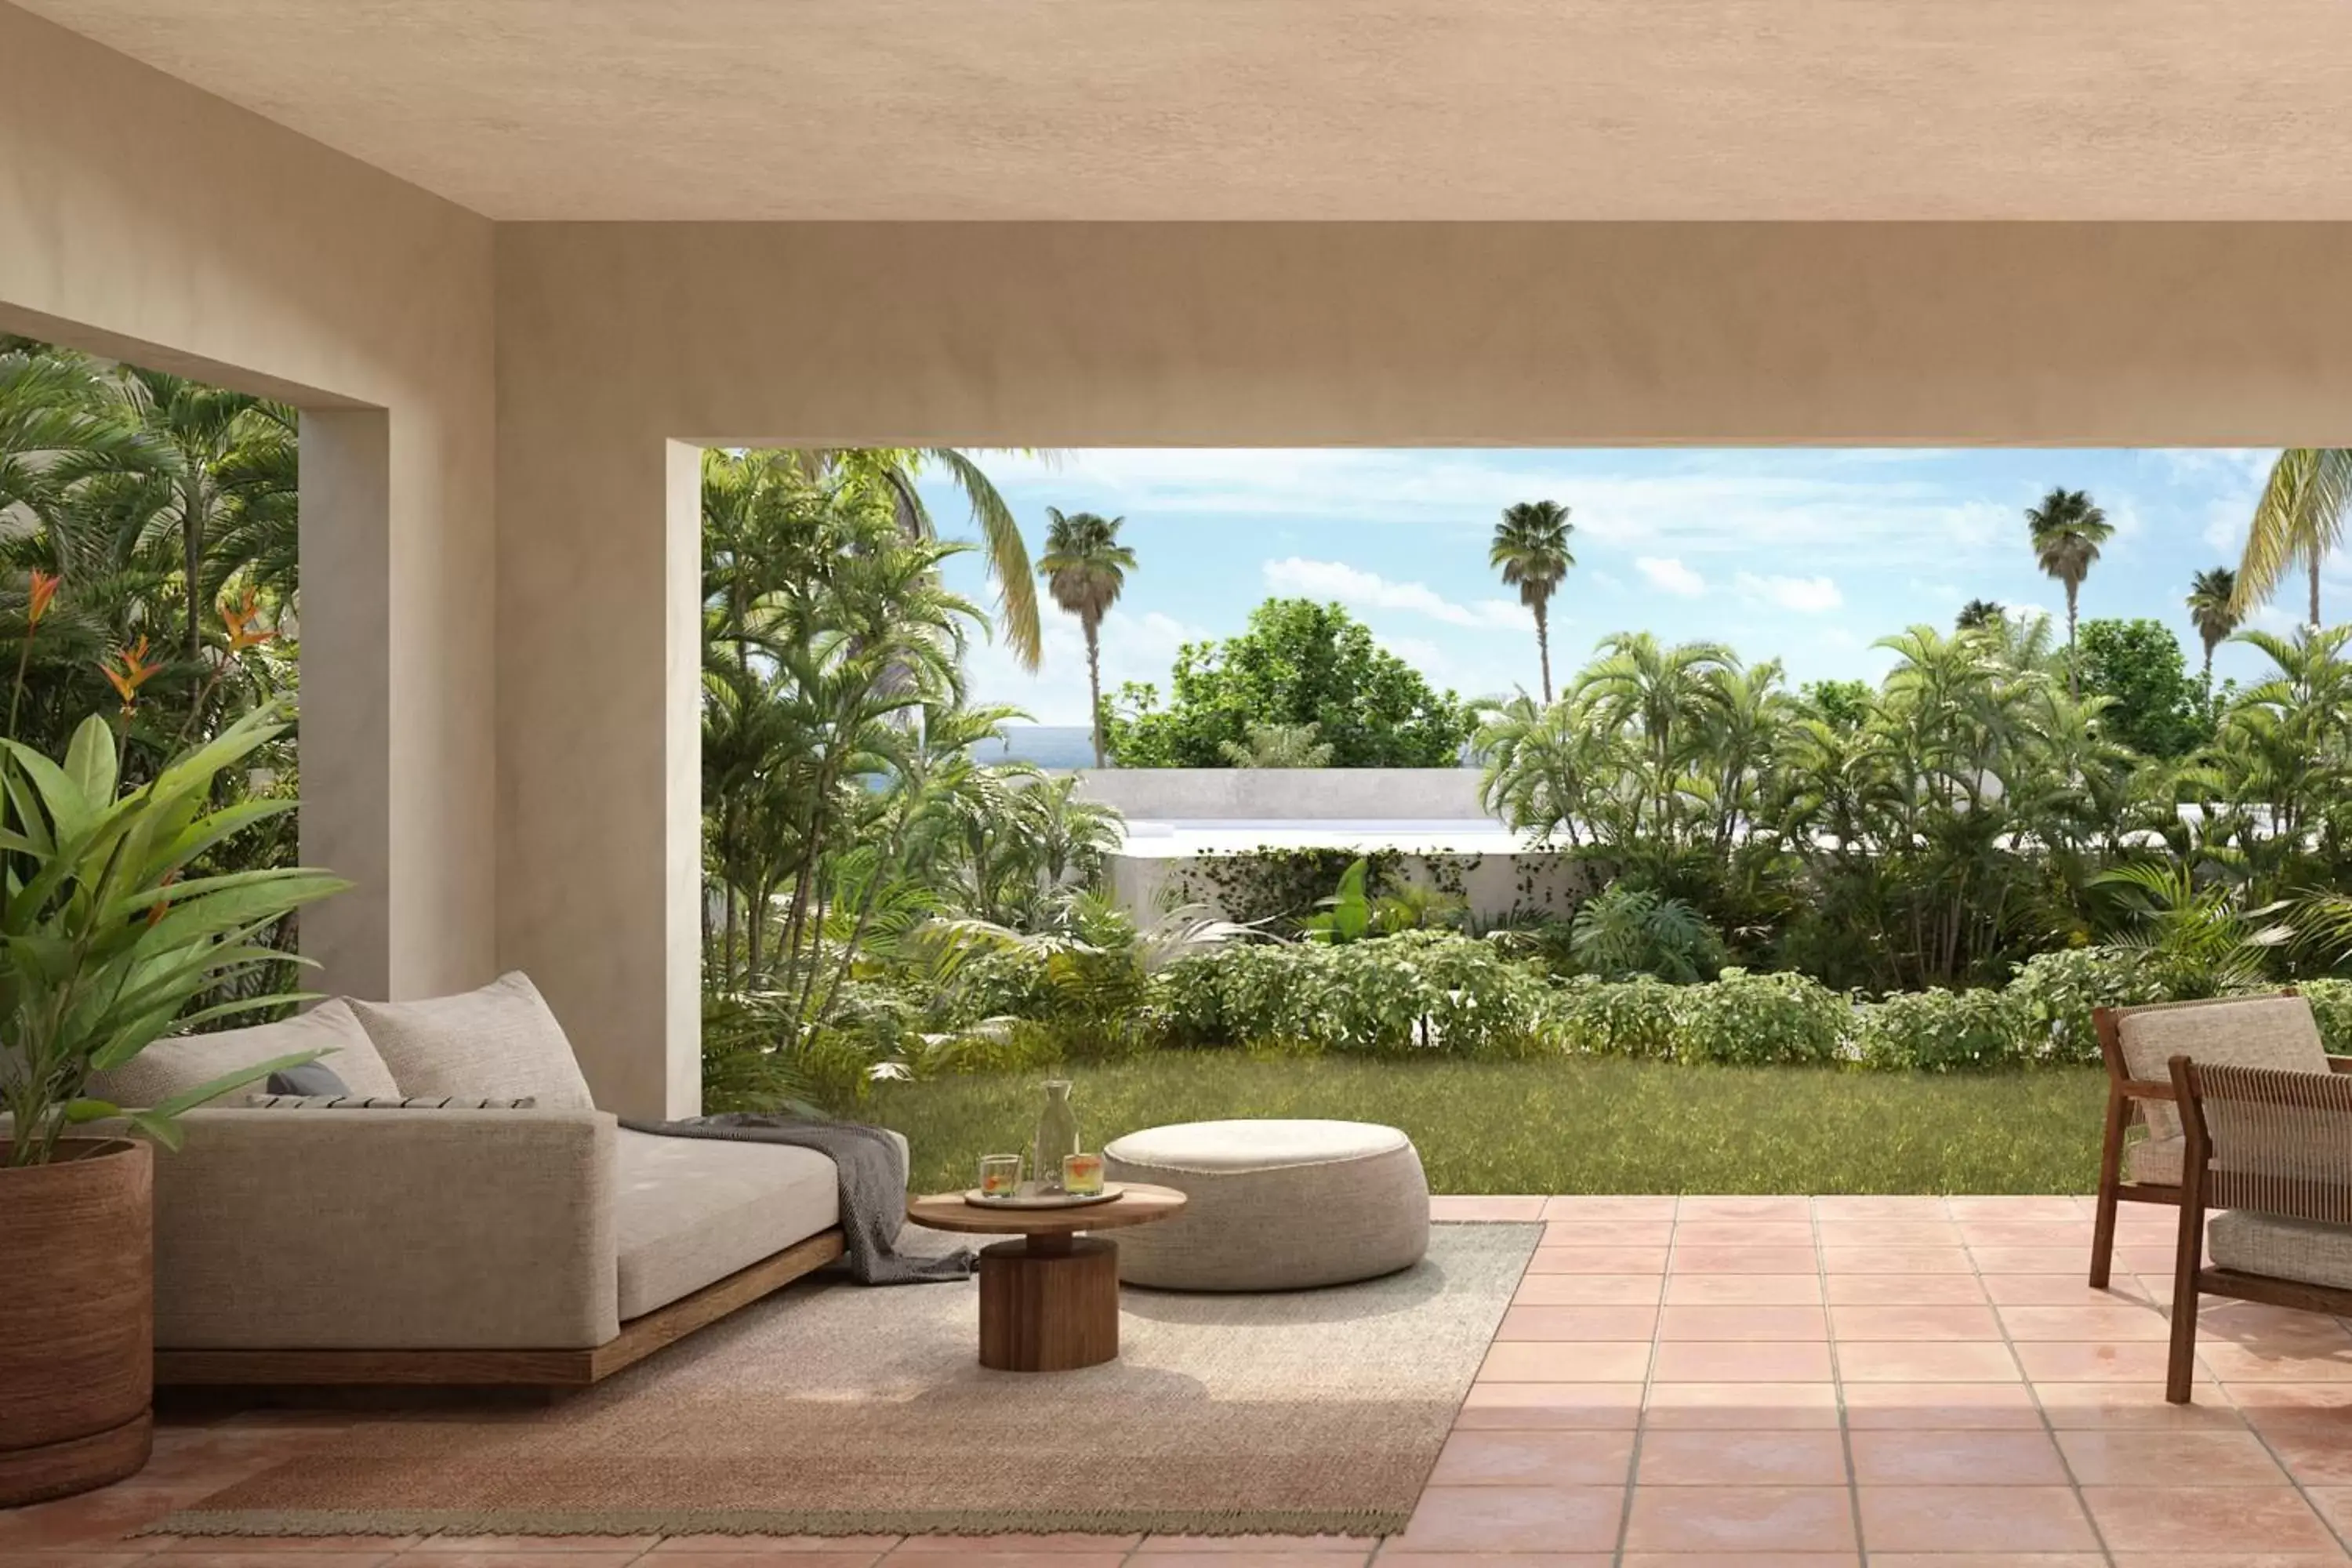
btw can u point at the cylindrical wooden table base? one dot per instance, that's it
(1048, 1303)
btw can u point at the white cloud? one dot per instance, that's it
(1806, 595)
(1668, 573)
(1369, 590)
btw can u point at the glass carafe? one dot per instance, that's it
(1057, 1134)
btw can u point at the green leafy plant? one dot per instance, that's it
(1616, 1018)
(2196, 938)
(107, 944)
(2331, 1009)
(2055, 992)
(1759, 1018)
(1346, 915)
(1625, 930)
(1938, 1030)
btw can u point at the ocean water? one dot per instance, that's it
(1045, 745)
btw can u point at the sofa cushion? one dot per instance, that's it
(2251, 1031)
(690, 1211)
(498, 1042)
(175, 1066)
(2303, 1250)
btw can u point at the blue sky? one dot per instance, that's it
(1804, 555)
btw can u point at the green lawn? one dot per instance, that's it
(1582, 1126)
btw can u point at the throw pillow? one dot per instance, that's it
(175, 1066)
(499, 1043)
(310, 1078)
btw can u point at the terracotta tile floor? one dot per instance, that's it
(1779, 1382)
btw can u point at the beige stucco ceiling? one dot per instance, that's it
(1292, 109)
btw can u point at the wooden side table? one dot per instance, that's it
(1048, 1302)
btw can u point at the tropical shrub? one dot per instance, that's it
(1624, 930)
(1616, 1018)
(2331, 1009)
(2054, 992)
(107, 944)
(1753, 1019)
(1415, 991)
(1940, 1031)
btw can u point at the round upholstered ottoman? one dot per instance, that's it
(1274, 1205)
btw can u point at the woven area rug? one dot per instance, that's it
(832, 1410)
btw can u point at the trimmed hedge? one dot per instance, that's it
(1442, 992)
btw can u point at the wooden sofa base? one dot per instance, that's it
(638, 1338)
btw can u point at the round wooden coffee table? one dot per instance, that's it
(1049, 1301)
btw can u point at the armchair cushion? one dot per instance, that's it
(2156, 1159)
(171, 1066)
(2306, 1251)
(2253, 1031)
(498, 1042)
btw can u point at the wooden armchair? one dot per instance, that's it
(2274, 1150)
(2138, 1043)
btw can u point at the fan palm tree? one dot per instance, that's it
(2210, 592)
(1085, 567)
(1979, 613)
(1531, 547)
(2068, 528)
(2300, 518)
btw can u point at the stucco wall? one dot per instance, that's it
(140, 218)
(1492, 885)
(615, 339)
(1275, 794)
(519, 769)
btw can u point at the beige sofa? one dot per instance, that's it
(544, 1245)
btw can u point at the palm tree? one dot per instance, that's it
(1978, 614)
(1531, 547)
(897, 468)
(1663, 700)
(2210, 595)
(1085, 567)
(2300, 518)
(2068, 529)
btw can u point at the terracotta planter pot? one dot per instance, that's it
(77, 1319)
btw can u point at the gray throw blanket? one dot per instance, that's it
(873, 1187)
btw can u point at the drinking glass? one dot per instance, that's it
(1000, 1175)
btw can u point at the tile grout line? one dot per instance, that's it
(1837, 1385)
(2049, 1428)
(1649, 1379)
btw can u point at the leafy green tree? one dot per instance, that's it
(2299, 519)
(1844, 705)
(1085, 567)
(1298, 662)
(2137, 666)
(2067, 529)
(2211, 595)
(1531, 547)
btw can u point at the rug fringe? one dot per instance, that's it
(735, 1521)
